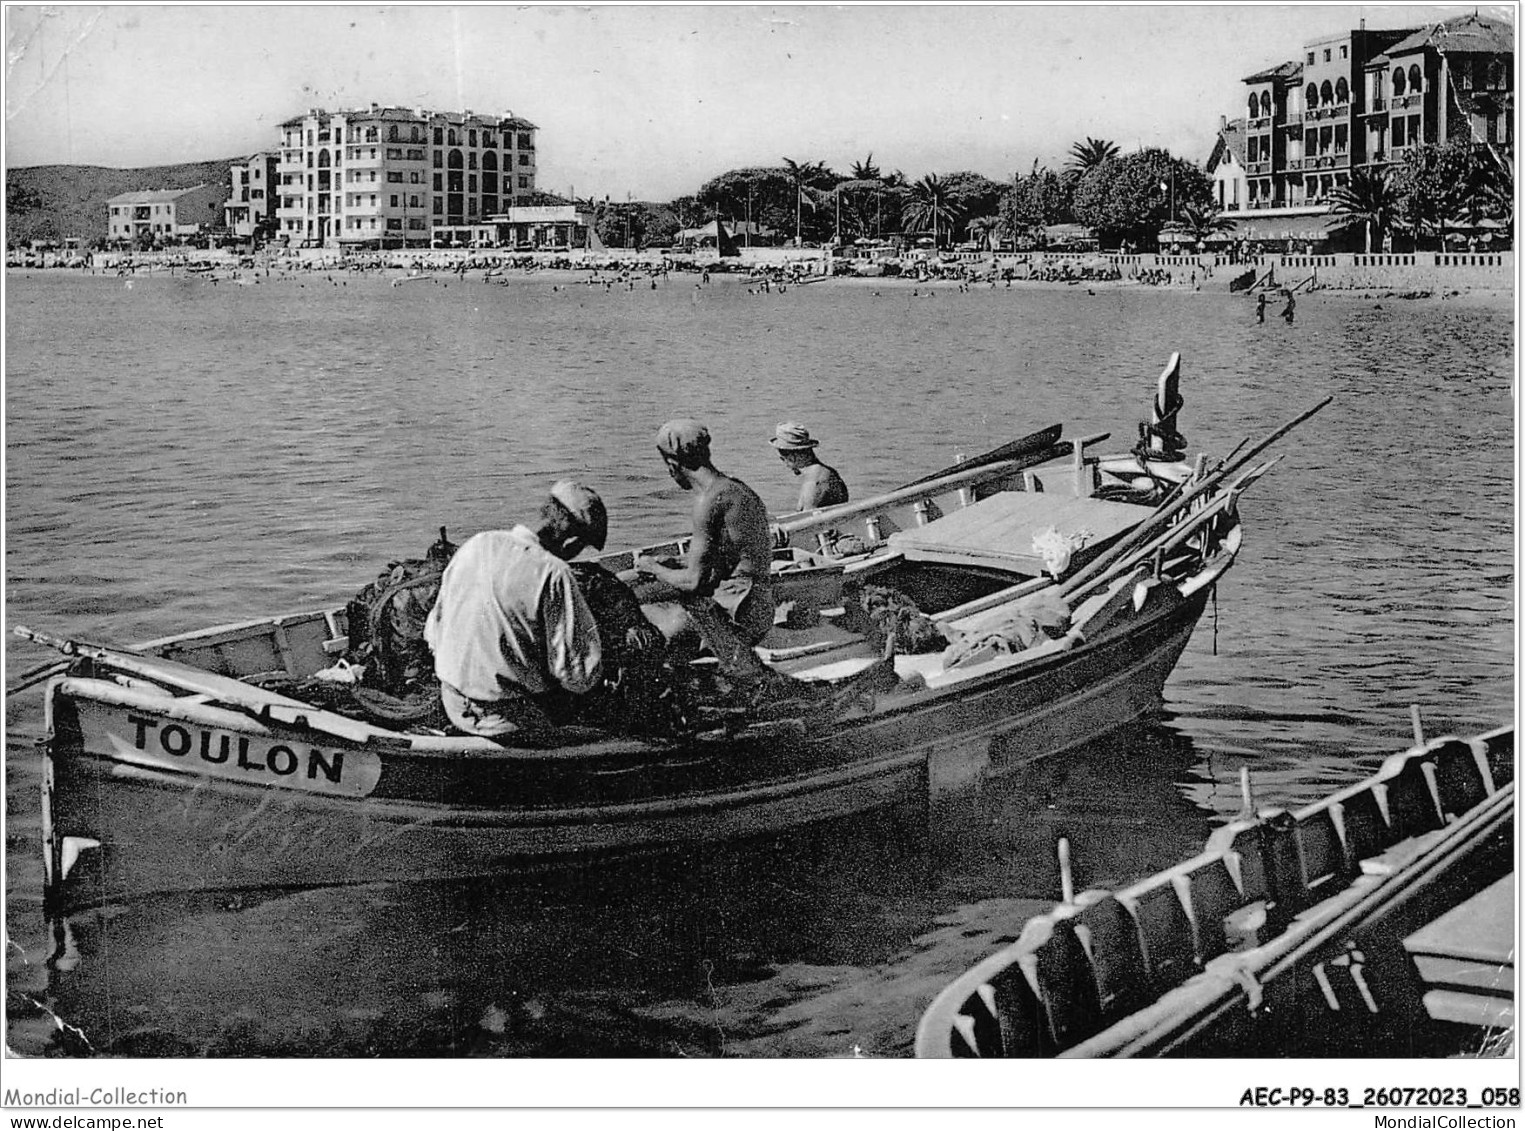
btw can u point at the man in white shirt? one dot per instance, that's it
(511, 632)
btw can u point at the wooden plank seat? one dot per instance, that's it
(1466, 959)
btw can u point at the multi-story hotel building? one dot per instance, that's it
(251, 196)
(1358, 99)
(388, 177)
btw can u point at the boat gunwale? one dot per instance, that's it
(1232, 969)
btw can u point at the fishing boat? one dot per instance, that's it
(1058, 588)
(1378, 921)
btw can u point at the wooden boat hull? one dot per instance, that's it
(174, 767)
(177, 804)
(1296, 934)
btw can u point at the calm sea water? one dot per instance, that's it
(180, 454)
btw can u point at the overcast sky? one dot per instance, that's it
(653, 100)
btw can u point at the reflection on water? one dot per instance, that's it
(813, 944)
(180, 455)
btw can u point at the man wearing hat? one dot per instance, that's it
(822, 486)
(511, 632)
(722, 589)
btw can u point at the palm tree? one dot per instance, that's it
(803, 176)
(931, 203)
(865, 170)
(1086, 155)
(1368, 196)
(1203, 220)
(982, 228)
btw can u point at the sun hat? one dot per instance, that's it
(684, 440)
(586, 509)
(792, 437)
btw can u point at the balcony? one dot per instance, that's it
(1258, 124)
(1378, 106)
(1258, 168)
(1294, 164)
(1408, 101)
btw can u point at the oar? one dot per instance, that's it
(1173, 504)
(264, 707)
(1072, 590)
(33, 676)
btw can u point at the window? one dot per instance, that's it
(1254, 104)
(439, 159)
(415, 223)
(412, 202)
(1415, 133)
(1344, 51)
(524, 182)
(1310, 58)
(413, 178)
(1398, 133)
(1326, 94)
(439, 206)
(372, 134)
(439, 136)
(394, 200)
(526, 141)
(394, 224)
(451, 139)
(394, 178)
(1415, 85)
(1398, 82)
(439, 182)
(1342, 92)
(1310, 96)
(412, 133)
(524, 158)
(471, 138)
(1326, 54)
(471, 183)
(338, 136)
(394, 154)
(471, 160)
(1265, 103)
(392, 132)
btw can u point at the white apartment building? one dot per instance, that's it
(387, 176)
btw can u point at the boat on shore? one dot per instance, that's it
(1058, 589)
(1378, 921)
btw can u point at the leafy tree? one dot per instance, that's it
(1134, 196)
(931, 205)
(1036, 200)
(972, 194)
(1490, 191)
(1368, 197)
(1087, 155)
(1431, 187)
(766, 194)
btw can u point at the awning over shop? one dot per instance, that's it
(1301, 228)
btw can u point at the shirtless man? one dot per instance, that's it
(822, 486)
(721, 590)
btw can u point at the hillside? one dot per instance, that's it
(55, 201)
